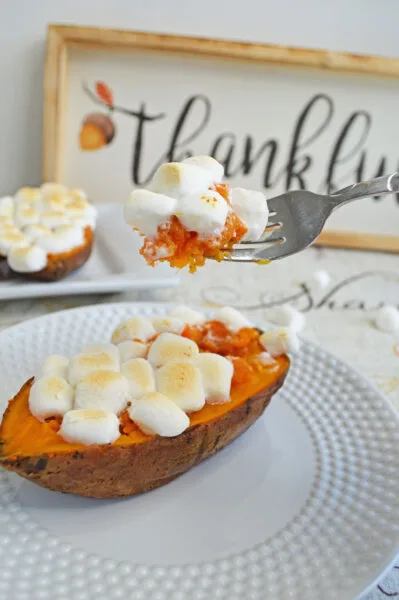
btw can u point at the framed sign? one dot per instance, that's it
(119, 103)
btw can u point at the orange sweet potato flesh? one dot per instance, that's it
(136, 462)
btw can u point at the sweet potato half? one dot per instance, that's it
(136, 462)
(58, 265)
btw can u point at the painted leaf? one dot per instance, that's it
(104, 93)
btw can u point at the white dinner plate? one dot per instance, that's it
(114, 266)
(304, 505)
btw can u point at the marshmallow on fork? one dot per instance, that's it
(181, 382)
(102, 390)
(216, 372)
(252, 209)
(146, 210)
(178, 180)
(204, 212)
(137, 328)
(208, 163)
(89, 427)
(157, 414)
(50, 396)
(169, 347)
(140, 377)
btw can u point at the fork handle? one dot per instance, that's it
(386, 184)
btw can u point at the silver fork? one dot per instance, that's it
(297, 218)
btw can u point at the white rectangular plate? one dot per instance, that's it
(114, 266)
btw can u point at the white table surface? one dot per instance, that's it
(339, 318)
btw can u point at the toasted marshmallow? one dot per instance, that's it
(11, 239)
(56, 202)
(28, 194)
(181, 179)
(387, 319)
(251, 207)
(288, 316)
(82, 364)
(102, 390)
(170, 347)
(85, 217)
(6, 221)
(8, 227)
(25, 215)
(52, 218)
(171, 324)
(6, 206)
(33, 232)
(280, 341)
(130, 349)
(157, 414)
(77, 195)
(50, 396)
(146, 210)
(62, 239)
(188, 315)
(181, 382)
(89, 427)
(140, 376)
(208, 163)
(29, 259)
(231, 318)
(49, 189)
(204, 212)
(216, 372)
(109, 349)
(136, 328)
(55, 364)
(266, 358)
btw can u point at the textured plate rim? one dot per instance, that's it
(257, 322)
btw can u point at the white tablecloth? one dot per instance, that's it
(339, 318)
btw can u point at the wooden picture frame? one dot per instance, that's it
(62, 38)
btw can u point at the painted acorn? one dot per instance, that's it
(97, 130)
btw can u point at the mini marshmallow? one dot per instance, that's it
(25, 215)
(82, 213)
(231, 318)
(280, 341)
(178, 180)
(188, 315)
(181, 382)
(28, 194)
(216, 372)
(157, 414)
(82, 364)
(62, 239)
(288, 316)
(50, 396)
(204, 212)
(130, 349)
(10, 240)
(171, 347)
(77, 194)
(209, 163)
(29, 259)
(8, 227)
(109, 349)
(52, 218)
(89, 427)
(140, 376)
(387, 319)
(136, 328)
(33, 232)
(251, 207)
(56, 364)
(266, 358)
(171, 324)
(320, 280)
(6, 206)
(147, 210)
(49, 189)
(56, 202)
(102, 390)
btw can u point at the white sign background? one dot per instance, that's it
(242, 99)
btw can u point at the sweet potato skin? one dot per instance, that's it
(117, 471)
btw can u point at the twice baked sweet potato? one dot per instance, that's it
(136, 462)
